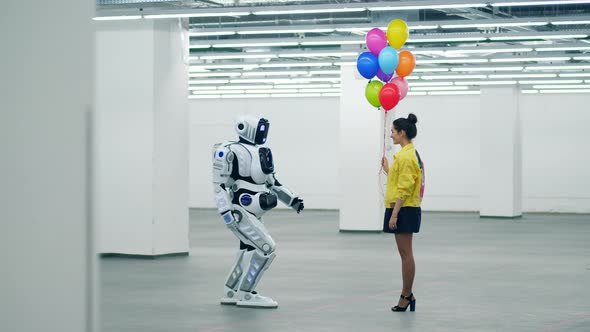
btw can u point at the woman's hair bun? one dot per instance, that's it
(412, 118)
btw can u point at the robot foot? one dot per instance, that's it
(229, 297)
(254, 300)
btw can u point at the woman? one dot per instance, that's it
(402, 203)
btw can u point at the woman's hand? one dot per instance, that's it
(385, 164)
(393, 222)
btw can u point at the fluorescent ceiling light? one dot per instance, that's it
(486, 69)
(284, 80)
(331, 94)
(416, 93)
(324, 72)
(560, 58)
(267, 44)
(217, 14)
(436, 88)
(344, 63)
(275, 73)
(243, 87)
(309, 11)
(245, 96)
(429, 70)
(571, 48)
(529, 91)
(551, 82)
(216, 92)
(537, 37)
(562, 86)
(451, 61)
(435, 93)
(296, 64)
(422, 27)
(536, 3)
(238, 56)
(312, 54)
(209, 81)
(223, 74)
(204, 96)
(522, 75)
(582, 58)
(201, 87)
(199, 46)
(452, 77)
(416, 7)
(319, 90)
(486, 83)
(445, 39)
(413, 84)
(212, 33)
(566, 91)
(489, 50)
(575, 75)
(574, 67)
(200, 68)
(272, 90)
(490, 25)
(117, 18)
(304, 86)
(333, 42)
(267, 31)
(569, 22)
(295, 95)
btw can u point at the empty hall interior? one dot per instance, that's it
(404, 165)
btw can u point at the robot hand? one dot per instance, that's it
(297, 204)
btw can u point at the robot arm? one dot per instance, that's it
(222, 170)
(284, 194)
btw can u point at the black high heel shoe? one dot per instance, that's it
(412, 303)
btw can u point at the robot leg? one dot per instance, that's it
(232, 283)
(251, 231)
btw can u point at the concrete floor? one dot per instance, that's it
(529, 274)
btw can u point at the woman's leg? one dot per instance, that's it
(404, 246)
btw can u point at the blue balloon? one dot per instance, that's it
(367, 65)
(388, 60)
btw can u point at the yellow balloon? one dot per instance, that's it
(397, 33)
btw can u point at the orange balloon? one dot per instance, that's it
(406, 63)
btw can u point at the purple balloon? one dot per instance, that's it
(384, 77)
(376, 40)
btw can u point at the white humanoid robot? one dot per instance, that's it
(245, 188)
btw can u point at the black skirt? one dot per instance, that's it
(408, 220)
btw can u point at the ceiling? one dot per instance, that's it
(286, 48)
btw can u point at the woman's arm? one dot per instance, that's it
(385, 165)
(393, 220)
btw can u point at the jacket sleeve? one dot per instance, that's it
(406, 181)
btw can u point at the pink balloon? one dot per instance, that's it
(402, 84)
(376, 40)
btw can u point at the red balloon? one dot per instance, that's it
(389, 96)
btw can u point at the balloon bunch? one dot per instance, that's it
(383, 61)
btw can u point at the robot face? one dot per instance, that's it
(253, 129)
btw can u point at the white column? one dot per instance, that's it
(501, 160)
(141, 140)
(361, 139)
(46, 240)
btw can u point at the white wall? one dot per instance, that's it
(556, 154)
(141, 138)
(303, 137)
(554, 143)
(47, 281)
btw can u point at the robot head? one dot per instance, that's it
(252, 129)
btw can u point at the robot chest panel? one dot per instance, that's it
(261, 164)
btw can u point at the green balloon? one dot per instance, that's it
(372, 92)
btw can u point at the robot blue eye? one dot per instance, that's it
(262, 128)
(263, 140)
(246, 200)
(220, 154)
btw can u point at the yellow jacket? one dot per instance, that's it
(404, 178)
